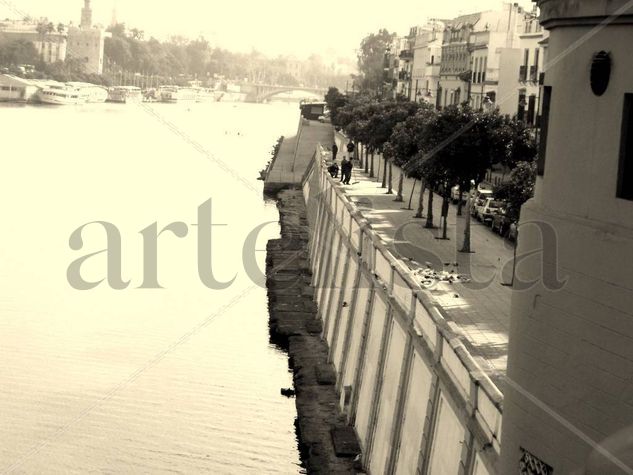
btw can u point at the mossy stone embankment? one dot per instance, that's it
(321, 429)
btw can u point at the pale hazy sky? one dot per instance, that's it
(299, 27)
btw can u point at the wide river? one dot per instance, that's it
(127, 377)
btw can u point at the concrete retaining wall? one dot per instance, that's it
(417, 400)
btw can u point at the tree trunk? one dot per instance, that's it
(399, 197)
(366, 159)
(429, 210)
(384, 172)
(466, 244)
(421, 200)
(357, 155)
(371, 170)
(390, 188)
(445, 215)
(459, 200)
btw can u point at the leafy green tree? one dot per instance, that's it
(17, 52)
(380, 126)
(511, 143)
(519, 188)
(371, 60)
(457, 139)
(335, 101)
(353, 118)
(403, 143)
(428, 168)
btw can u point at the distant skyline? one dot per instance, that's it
(331, 28)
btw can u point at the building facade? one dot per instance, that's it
(455, 65)
(50, 42)
(568, 404)
(405, 56)
(394, 67)
(471, 55)
(520, 71)
(427, 57)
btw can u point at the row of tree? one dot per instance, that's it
(178, 57)
(454, 146)
(129, 54)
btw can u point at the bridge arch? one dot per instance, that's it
(263, 93)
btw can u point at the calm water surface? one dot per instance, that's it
(180, 379)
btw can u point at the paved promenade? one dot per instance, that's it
(478, 310)
(295, 154)
(481, 313)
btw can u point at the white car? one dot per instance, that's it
(486, 212)
(479, 200)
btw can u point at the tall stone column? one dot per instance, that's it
(568, 405)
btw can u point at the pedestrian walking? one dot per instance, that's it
(350, 149)
(346, 171)
(334, 151)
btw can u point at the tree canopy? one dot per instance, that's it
(371, 59)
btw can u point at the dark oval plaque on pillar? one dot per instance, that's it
(600, 72)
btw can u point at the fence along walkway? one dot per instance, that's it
(417, 399)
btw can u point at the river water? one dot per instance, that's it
(181, 379)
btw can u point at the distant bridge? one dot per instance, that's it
(262, 92)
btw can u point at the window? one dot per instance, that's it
(542, 146)
(536, 57)
(625, 171)
(531, 109)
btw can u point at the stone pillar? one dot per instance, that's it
(568, 404)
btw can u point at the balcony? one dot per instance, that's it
(406, 54)
(534, 73)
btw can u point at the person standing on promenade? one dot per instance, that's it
(343, 168)
(350, 149)
(346, 171)
(334, 151)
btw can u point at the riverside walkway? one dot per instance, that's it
(296, 154)
(481, 313)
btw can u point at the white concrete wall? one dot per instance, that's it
(569, 393)
(397, 362)
(415, 416)
(448, 438)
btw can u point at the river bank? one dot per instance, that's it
(405, 383)
(327, 444)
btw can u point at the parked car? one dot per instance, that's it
(479, 200)
(505, 222)
(455, 195)
(486, 212)
(500, 222)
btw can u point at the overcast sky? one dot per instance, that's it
(299, 27)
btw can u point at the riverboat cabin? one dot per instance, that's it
(312, 110)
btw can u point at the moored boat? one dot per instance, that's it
(60, 94)
(91, 92)
(177, 94)
(125, 94)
